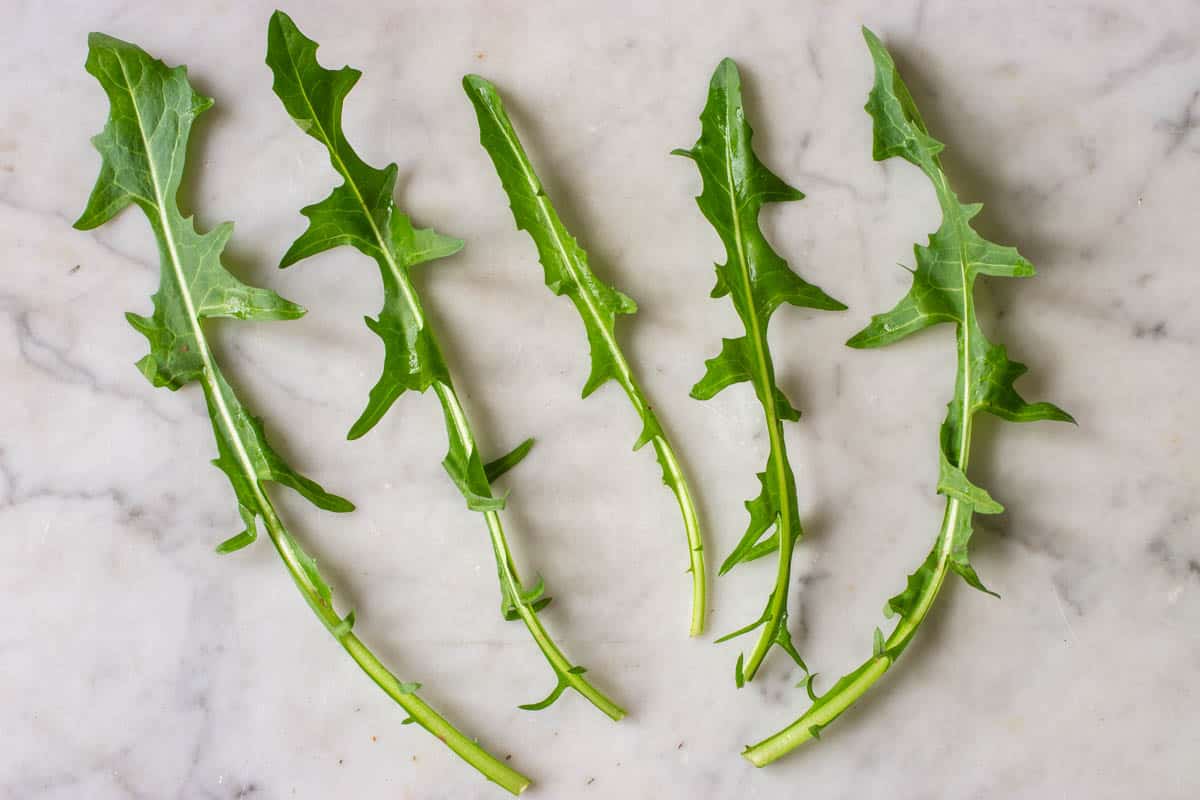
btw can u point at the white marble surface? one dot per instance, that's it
(135, 663)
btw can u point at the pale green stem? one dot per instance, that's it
(777, 607)
(459, 418)
(667, 457)
(691, 524)
(420, 711)
(512, 581)
(830, 706)
(467, 749)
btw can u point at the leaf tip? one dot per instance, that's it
(281, 24)
(878, 51)
(727, 74)
(98, 41)
(478, 84)
(859, 341)
(808, 687)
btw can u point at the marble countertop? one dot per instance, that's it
(136, 663)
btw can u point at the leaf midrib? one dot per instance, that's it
(406, 289)
(761, 356)
(625, 373)
(209, 374)
(402, 280)
(954, 506)
(456, 415)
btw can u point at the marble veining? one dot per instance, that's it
(136, 663)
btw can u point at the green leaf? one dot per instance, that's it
(534, 598)
(736, 185)
(244, 539)
(362, 213)
(942, 291)
(462, 461)
(494, 469)
(959, 557)
(807, 683)
(144, 152)
(762, 536)
(742, 631)
(917, 587)
(952, 482)
(144, 146)
(567, 272)
(564, 262)
(548, 700)
(733, 365)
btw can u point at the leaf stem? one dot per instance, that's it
(421, 712)
(383, 249)
(765, 384)
(856, 683)
(247, 472)
(487, 102)
(777, 604)
(942, 291)
(691, 525)
(831, 705)
(677, 482)
(512, 582)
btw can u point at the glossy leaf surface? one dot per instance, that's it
(736, 186)
(567, 272)
(942, 291)
(362, 213)
(144, 152)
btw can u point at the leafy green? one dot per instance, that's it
(567, 273)
(942, 291)
(362, 213)
(143, 148)
(736, 185)
(494, 469)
